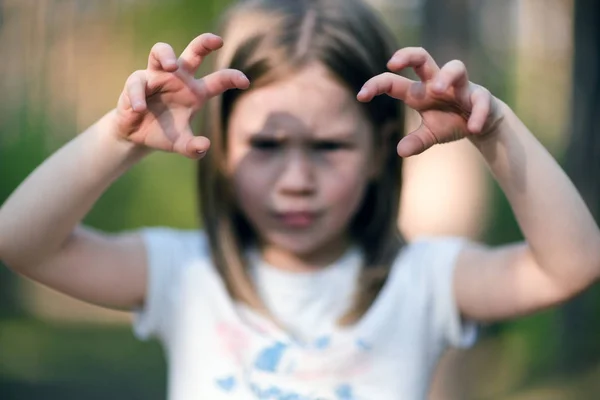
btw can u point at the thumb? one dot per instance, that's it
(416, 142)
(190, 146)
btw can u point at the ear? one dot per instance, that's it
(381, 149)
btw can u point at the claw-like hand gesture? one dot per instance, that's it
(451, 107)
(158, 103)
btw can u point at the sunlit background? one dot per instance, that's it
(63, 64)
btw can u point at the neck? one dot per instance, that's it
(317, 259)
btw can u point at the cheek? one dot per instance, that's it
(253, 179)
(250, 196)
(250, 185)
(343, 191)
(345, 179)
(250, 175)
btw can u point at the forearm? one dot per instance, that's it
(39, 216)
(559, 229)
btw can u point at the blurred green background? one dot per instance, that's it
(62, 65)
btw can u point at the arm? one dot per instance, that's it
(562, 253)
(39, 237)
(561, 256)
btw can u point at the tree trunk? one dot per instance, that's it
(446, 30)
(583, 166)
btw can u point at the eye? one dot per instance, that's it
(329, 145)
(264, 144)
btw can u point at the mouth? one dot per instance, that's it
(297, 219)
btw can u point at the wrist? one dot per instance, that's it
(108, 128)
(502, 124)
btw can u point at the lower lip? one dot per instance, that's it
(297, 220)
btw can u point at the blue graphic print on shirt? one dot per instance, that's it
(269, 358)
(227, 384)
(344, 392)
(322, 343)
(363, 345)
(276, 393)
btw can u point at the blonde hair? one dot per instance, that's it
(268, 39)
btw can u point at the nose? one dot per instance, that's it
(297, 176)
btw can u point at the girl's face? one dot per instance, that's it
(300, 154)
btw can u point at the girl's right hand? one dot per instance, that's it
(157, 104)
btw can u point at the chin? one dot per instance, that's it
(301, 245)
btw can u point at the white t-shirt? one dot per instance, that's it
(218, 349)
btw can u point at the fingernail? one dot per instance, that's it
(362, 92)
(244, 77)
(201, 152)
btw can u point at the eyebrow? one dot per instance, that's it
(283, 135)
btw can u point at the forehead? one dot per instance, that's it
(312, 98)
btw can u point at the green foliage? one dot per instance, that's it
(43, 360)
(20, 153)
(173, 22)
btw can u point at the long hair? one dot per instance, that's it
(267, 40)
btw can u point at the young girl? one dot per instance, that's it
(300, 286)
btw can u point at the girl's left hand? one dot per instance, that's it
(450, 105)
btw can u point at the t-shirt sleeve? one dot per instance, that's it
(442, 255)
(164, 250)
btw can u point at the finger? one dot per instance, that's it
(220, 81)
(453, 74)
(135, 89)
(387, 83)
(416, 142)
(190, 146)
(162, 58)
(200, 47)
(482, 102)
(417, 58)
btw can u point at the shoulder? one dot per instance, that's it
(428, 258)
(186, 243)
(172, 251)
(174, 257)
(431, 249)
(428, 268)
